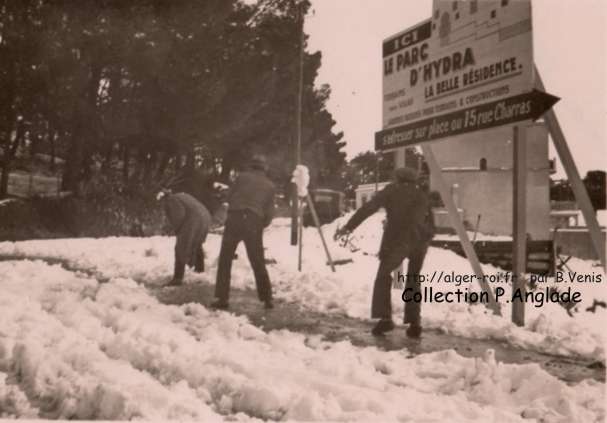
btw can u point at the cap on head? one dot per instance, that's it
(405, 174)
(259, 162)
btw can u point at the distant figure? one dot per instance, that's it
(250, 210)
(190, 220)
(407, 233)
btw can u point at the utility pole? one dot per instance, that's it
(295, 218)
(377, 160)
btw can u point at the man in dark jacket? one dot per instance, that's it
(250, 210)
(190, 220)
(407, 233)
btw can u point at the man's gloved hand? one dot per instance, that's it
(340, 233)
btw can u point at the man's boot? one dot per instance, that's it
(220, 304)
(412, 318)
(414, 330)
(383, 326)
(178, 274)
(199, 265)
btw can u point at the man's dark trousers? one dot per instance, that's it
(243, 225)
(381, 307)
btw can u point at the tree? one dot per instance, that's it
(21, 78)
(137, 88)
(595, 185)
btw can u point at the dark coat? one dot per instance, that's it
(200, 187)
(253, 191)
(190, 221)
(409, 216)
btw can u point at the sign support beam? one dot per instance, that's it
(459, 226)
(519, 222)
(579, 190)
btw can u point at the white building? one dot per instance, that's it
(478, 168)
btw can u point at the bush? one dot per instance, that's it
(104, 209)
(108, 209)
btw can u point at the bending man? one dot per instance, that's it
(190, 221)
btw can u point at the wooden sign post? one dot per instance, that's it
(519, 222)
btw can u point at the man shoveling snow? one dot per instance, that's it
(190, 221)
(407, 234)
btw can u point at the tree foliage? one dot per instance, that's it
(145, 87)
(594, 181)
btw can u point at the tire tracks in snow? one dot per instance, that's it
(160, 344)
(54, 355)
(338, 327)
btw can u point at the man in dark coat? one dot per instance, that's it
(407, 233)
(250, 210)
(190, 220)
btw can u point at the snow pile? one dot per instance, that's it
(137, 258)
(73, 348)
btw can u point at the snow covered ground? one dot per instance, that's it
(548, 328)
(72, 347)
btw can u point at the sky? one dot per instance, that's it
(570, 51)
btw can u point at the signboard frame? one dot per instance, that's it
(467, 54)
(532, 103)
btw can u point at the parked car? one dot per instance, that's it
(329, 205)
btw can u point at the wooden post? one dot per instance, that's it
(300, 234)
(294, 214)
(376, 171)
(579, 190)
(478, 223)
(519, 227)
(445, 193)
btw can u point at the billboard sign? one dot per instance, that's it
(469, 54)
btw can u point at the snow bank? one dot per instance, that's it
(73, 348)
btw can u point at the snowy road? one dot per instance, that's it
(335, 327)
